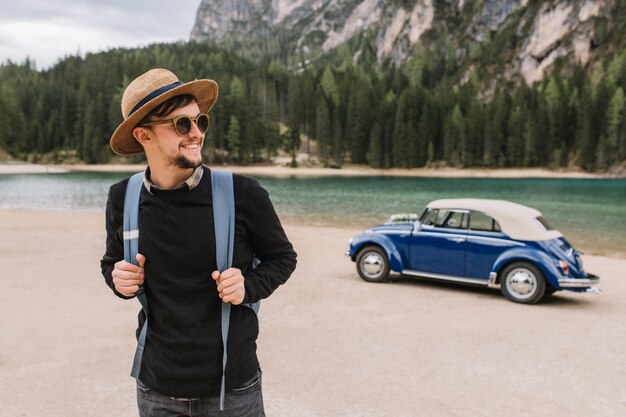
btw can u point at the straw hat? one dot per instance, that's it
(148, 91)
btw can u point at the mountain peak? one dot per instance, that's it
(539, 33)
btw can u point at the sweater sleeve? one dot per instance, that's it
(114, 251)
(269, 243)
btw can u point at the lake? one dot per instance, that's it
(591, 213)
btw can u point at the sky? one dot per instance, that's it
(48, 30)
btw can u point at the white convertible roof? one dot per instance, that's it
(516, 220)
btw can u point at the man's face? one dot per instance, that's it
(178, 151)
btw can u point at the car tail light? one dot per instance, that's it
(564, 267)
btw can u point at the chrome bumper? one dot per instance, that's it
(579, 282)
(347, 253)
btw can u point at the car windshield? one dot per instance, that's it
(430, 217)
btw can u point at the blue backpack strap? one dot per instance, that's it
(131, 249)
(131, 218)
(224, 221)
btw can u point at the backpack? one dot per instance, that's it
(224, 220)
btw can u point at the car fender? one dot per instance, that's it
(395, 259)
(543, 261)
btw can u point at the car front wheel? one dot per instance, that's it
(522, 282)
(372, 264)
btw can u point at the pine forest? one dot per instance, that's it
(338, 111)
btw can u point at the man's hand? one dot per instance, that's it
(230, 285)
(128, 277)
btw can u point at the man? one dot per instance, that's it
(181, 368)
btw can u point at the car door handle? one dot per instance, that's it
(458, 239)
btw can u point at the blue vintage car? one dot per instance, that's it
(493, 243)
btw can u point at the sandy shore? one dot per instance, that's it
(22, 168)
(283, 171)
(330, 344)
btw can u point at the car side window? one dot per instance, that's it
(482, 222)
(544, 223)
(446, 218)
(455, 220)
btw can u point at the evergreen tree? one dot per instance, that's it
(358, 122)
(375, 151)
(295, 104)
(12, 122)
(455, 137)
(616, 140)
(272, 139)
(599, 109)
(401, 140)
(329, 87)
(279, 76)
(496, 132)
(515, 145)
(308, 103)
(234, 138)
(292, 144)
(337, 149)
(323, 127)
(554, 141)
(387, 120)
(587, 142)
(472, 155)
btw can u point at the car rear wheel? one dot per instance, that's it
(522, 282)
(372, 264)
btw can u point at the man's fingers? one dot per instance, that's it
(120, 273)
(127, 291)
(229, 273)
(126, 271)
(127, 266)
(229, 282)
(127, 282)
(230, 285)
(236, 298)
(141, 260)
(226, 275)
(230, 290)
(127, 275)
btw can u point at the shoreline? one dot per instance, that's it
(607, 253)
(283, 171)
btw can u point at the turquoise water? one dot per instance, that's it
(591, 213)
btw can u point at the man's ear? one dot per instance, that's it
(142, 135)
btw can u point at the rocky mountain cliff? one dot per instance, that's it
(530, 35)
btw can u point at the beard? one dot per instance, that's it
(183, 162)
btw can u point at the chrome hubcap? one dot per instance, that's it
(521, 282)
(372, 264)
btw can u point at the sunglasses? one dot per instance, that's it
(182, 124)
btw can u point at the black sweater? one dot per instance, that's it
(183, 353)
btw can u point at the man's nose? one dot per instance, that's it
(195, 132)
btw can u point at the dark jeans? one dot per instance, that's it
(245, 401)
